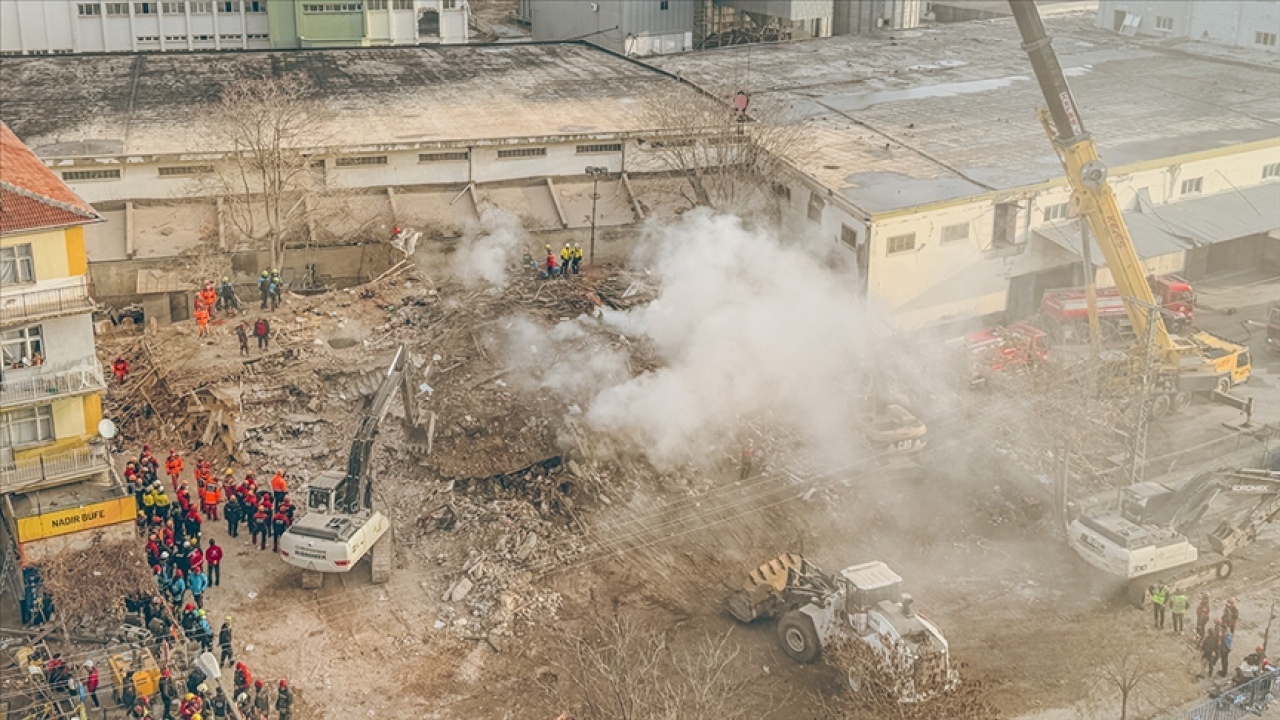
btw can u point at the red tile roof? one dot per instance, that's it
(31, 195)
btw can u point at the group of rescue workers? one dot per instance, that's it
(570, 261)
(1215, 641)
(184, 571)
(223, 298)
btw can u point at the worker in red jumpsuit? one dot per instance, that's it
(120, 368)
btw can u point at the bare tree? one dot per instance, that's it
(624, 671)
(897, 687)
(724, 156)
(1130, 663)
(266, 127)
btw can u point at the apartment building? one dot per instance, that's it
(65, 27)
(56, 481)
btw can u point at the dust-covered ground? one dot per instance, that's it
(575, 456)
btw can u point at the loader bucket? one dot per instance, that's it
(760, 596)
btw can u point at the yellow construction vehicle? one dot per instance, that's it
(1183, 365)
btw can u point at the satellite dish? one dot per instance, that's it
(107, 429)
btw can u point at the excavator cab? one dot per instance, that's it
(322, 494)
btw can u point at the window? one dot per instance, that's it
(178, 170)
(17, 265)
(1164, 23)
(1055, 212)
(87, 9)
(664, 5)
(21, 345)
(231, 38)
(173, 8)
(200, 8)
(523, 152)
(175, 38)
(259, 36)
(148, 38)
(93, 174)
(1004, 224)
(145, 8)
(202, 38)
(599, 149)
(315, 8)
(64, 51)
(401, 4)
(1270, 171)
(256, 6)
(849, 237)
(816, 206)
(1265, 38)
(376, 4)
(117, 8)
(1192, 186)
(229, 6)
(363, 160)
(955, 233)
(443, 156)
(27, 426)
(782, 191)
(448, 4)
(902, 243)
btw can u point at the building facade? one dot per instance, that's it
(55, 473)
(1239, 23)
(63, 27)
(636, 28)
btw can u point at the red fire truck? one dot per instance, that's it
(1066, 315)
(1004, 349)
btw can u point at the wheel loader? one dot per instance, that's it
(863, 602)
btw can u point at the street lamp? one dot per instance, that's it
(595, 173)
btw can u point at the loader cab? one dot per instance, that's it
(869, 584)
(1143, 500)
(322, 494)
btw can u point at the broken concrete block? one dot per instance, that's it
(460, 590)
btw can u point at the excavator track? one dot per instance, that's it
(1198, 573)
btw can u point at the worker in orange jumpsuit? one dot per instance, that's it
(209, 499)
(173, 466)
(209, 296)
(279, 487)
(202, 321)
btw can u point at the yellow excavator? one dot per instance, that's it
(1199, 363)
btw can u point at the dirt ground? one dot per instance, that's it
(549, 553)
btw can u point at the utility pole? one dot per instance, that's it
(595, 173)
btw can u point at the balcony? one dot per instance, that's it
(19, 307)
(32, 386)
(52, 470)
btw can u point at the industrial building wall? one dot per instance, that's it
(40, 27)
(785, 9)
(1242, 23)
(572, 19)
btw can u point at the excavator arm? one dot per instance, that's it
(1229, 537)
(1088, 176)
(357, 481)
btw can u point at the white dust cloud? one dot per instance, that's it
(483, 255)
(745, 328)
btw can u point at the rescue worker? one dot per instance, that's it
(551, 263)
(262, 331)
(120, 368)
(243, 678)
(225, 642)
(276, 288)
(262, 519)
(566, 259)
(279, 523)
(210, 497)
(262, 699)
(748, 460)
(198, 583)
(242, 334)
(168, 691)
(219, 705)
(245, 704)
(91, 682)
(234, 512)
(149, 501)
(177, 587)
(254, 522)
(227, 296)
(284, 700)
(577, 257)
(173, 466)
(1226, 642)
(1178, 606)
(264, 288)
(128, 691)
(204, 631)
(1159, 596)
(279, 486)
(209, 296)
(1230, 614)
(214, 557)
(1209, 646)
(202, 321)
(161, 503)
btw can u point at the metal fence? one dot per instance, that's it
(1256, 698)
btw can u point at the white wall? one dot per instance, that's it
(55, 26)
(1227, 22)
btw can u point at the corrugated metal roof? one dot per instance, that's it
(1151, 238)
(1222, 217)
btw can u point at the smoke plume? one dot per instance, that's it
(486, 249)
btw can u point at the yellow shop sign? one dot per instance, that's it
(85, 517)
